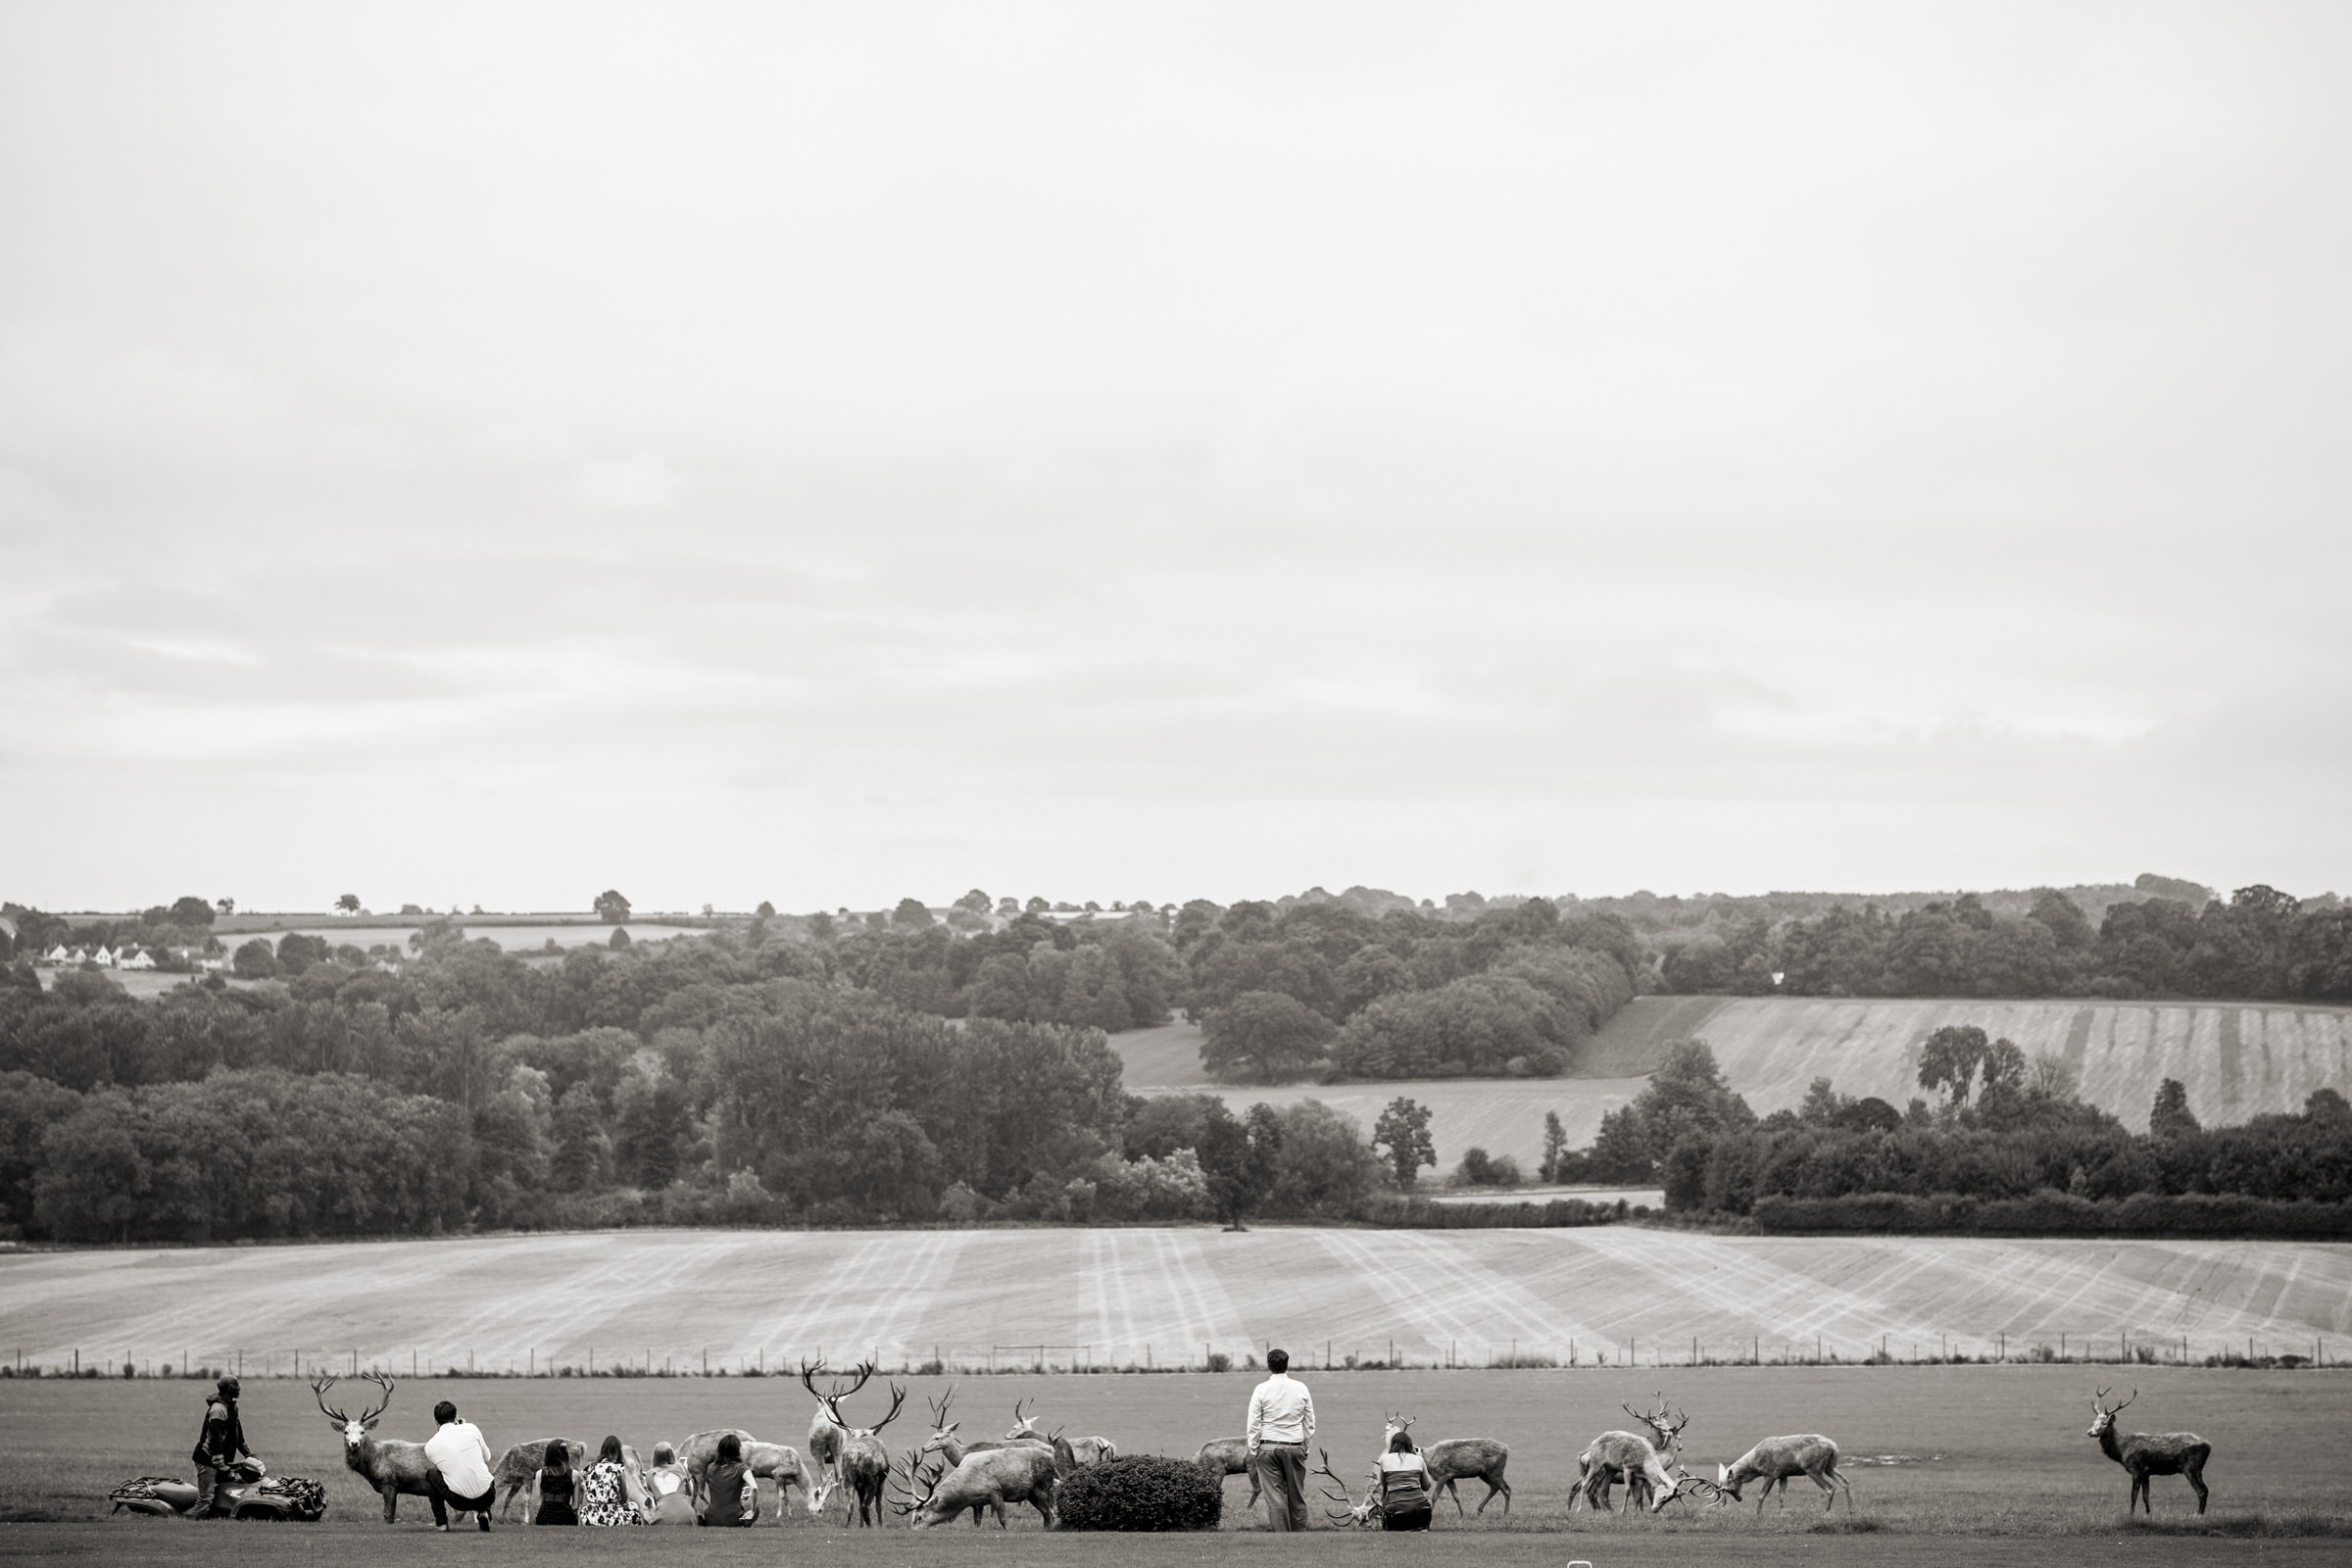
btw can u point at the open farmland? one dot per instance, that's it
(1113, 1296)
(2237, 1060)
(1966, 1439)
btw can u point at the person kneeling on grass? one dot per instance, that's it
(667, 1481)
(1403, 1486)
(729, 1480)
(460, 1477)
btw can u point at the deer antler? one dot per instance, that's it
(914, 1477)
(383, 1382)
(318, 1391)
(939, 1408)
(1020, 1422)
(2135, 1395)
(1354, 1512)
(898, 1398)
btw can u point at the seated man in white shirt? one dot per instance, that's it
(1282, 1423)
(460, 1477)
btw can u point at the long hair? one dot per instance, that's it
(1402, 1442)
(730, 1449)
(557, 1461)
(610, 1454)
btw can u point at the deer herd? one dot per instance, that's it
(944, 1477)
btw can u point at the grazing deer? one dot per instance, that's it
(1220, 1457)
(780, 1462)
(519, 1464)
(2151, 1454)
(1636, 1459)
(700, 1452)
(1776, 1459)
(391, 1466)
(864, 1463)
(988, 1479)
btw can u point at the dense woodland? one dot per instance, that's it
(903, 1067)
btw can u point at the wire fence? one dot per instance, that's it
(1330, 1356)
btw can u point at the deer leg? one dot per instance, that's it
(1498, 1484)
(1829, 1493)
(391, 1492)
(2196, 1479)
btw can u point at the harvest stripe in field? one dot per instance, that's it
(775, 1295)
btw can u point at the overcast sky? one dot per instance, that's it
(493, 453)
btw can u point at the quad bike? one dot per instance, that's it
(253, 1494)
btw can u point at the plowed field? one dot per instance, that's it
(1156, 1296)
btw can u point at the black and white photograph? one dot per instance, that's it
(1570, 777)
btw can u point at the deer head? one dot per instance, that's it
(2103, 1420)
(942, 1429)
(1023, 1426)
(828, 1400)
(355, 1428)
(1355, 1513)
(1666, 1425)
(920, 1487)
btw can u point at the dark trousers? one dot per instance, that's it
(1282, 1477)
(212, 1490)
(445, 1500)
(1411, 1519)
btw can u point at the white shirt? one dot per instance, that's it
(463, 1456)
(1281, 1410)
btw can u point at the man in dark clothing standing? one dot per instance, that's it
(217, 1449)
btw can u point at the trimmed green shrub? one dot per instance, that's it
(1141, 1492)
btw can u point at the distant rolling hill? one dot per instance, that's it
(2236, 1060)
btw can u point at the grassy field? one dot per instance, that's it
(1118, 1296)
(1993, 1452)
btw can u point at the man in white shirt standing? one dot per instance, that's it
(1282, 1423)
(460, 1477)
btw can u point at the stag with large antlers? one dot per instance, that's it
(987, 1479)
(389, 1466)
(827, 1434)
(1636, 1459)
(864, 1463)
(2151, 1454)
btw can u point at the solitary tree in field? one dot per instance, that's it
(1403, 1131)
(612, 906)
(2170, 1117)
(349, 903)
(1555, 1145)
(192, 910)
(766, 910)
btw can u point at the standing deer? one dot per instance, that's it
(1086, 1451)
(519, 1464)
(780, 1462)
(1220, 1457)
(1456, 1460)
(1635, 1457)
(391, 1466)
(1776, 1459)
(2151, 1454)
(827, 1434)
(864, 1463)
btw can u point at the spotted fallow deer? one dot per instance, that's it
(391, 1467)
(1636, 1459)
(2151, 1454)
(1776, 1459)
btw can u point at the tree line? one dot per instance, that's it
(2258, 945)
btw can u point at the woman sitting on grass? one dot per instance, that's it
(610, 1493)
(667, 1483)
(553, 1487)
(727, 1480)
(1403, 1486)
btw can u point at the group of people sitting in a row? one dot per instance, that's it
(606, 1492)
